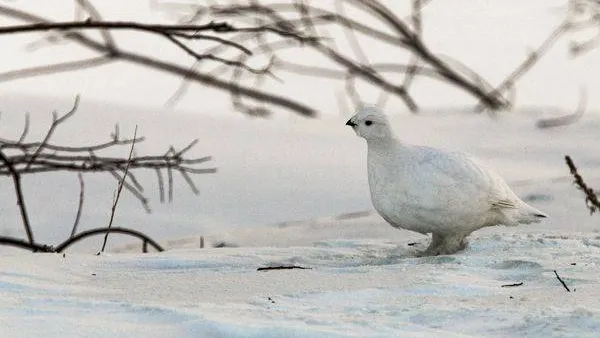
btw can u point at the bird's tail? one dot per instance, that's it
(528, 214)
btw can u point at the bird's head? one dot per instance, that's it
(370, 123)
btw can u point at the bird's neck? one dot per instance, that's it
(384, 146)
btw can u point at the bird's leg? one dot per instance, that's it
(434, 247)
(444, 245)
(453, 244)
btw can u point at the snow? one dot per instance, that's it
(366, 287)
(276, 202)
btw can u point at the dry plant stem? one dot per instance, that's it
(406, 40)
(79, 205)
(566, 119)
(19, 243)
(591, 199)
(562, 281)
(118, 194)
(16, 177)
(282, 267)
(57, 68)
(530, 61)
(56, 121)
(87, 6)
(418, 48)
(35, 247)
(114, 230)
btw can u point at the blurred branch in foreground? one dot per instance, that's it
(218, 54)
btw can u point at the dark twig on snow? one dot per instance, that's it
(114, 230)
(591, 199)
(19, 243)
(282, 267)
(562, 281)
(511, 285)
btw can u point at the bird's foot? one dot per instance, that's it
(444, 245)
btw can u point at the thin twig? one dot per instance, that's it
(79, 205)
(95, 15)
(591, 199)
(25, 128)
(161, 185)
(16, 177)
(529, 62)
(115, 230)
(562, 281)
(19, 243)
(282, 267)
(118, 194)
(51, 69)
(566, 119)
(56, 121)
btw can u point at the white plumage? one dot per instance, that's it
(427, 190)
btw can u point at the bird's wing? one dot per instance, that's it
(508, 204)
(457, 179)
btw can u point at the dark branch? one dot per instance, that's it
(100, 231)
(282, 267)
(562, 281)
(591, 199)
(118, 193)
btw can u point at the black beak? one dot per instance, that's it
(350, 123)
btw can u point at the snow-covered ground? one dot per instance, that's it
(370, 287)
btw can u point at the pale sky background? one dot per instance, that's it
(490, 36)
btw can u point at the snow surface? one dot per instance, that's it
(366, 287)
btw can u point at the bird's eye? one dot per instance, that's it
(368, 122)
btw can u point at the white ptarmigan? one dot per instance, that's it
(427, 190)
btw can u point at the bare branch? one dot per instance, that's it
(95, 15)
(25, 128)
(80, 205)
(530, 61)
(567, 119)
(114, 230)
(42, 24)
(57, 68)
(55, 122)
(16, 177)
(591, 199)
(118, 194)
